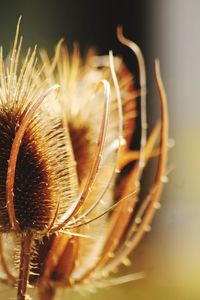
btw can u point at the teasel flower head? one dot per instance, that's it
(70, 212)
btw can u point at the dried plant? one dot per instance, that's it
(68, 215)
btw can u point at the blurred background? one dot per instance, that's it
(169, 30)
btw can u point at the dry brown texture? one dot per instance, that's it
(32, 194)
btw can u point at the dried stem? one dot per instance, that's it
(26, 245)
(46, 293)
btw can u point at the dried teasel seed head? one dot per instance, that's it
(37, 169)
(62, 161)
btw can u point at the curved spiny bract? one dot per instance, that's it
(112, 255)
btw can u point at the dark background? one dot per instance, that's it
(90, 23)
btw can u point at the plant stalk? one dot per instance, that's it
(46, 293)
(25, 256)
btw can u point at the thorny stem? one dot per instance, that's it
(25, 255)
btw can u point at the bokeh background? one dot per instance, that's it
(170, 30)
